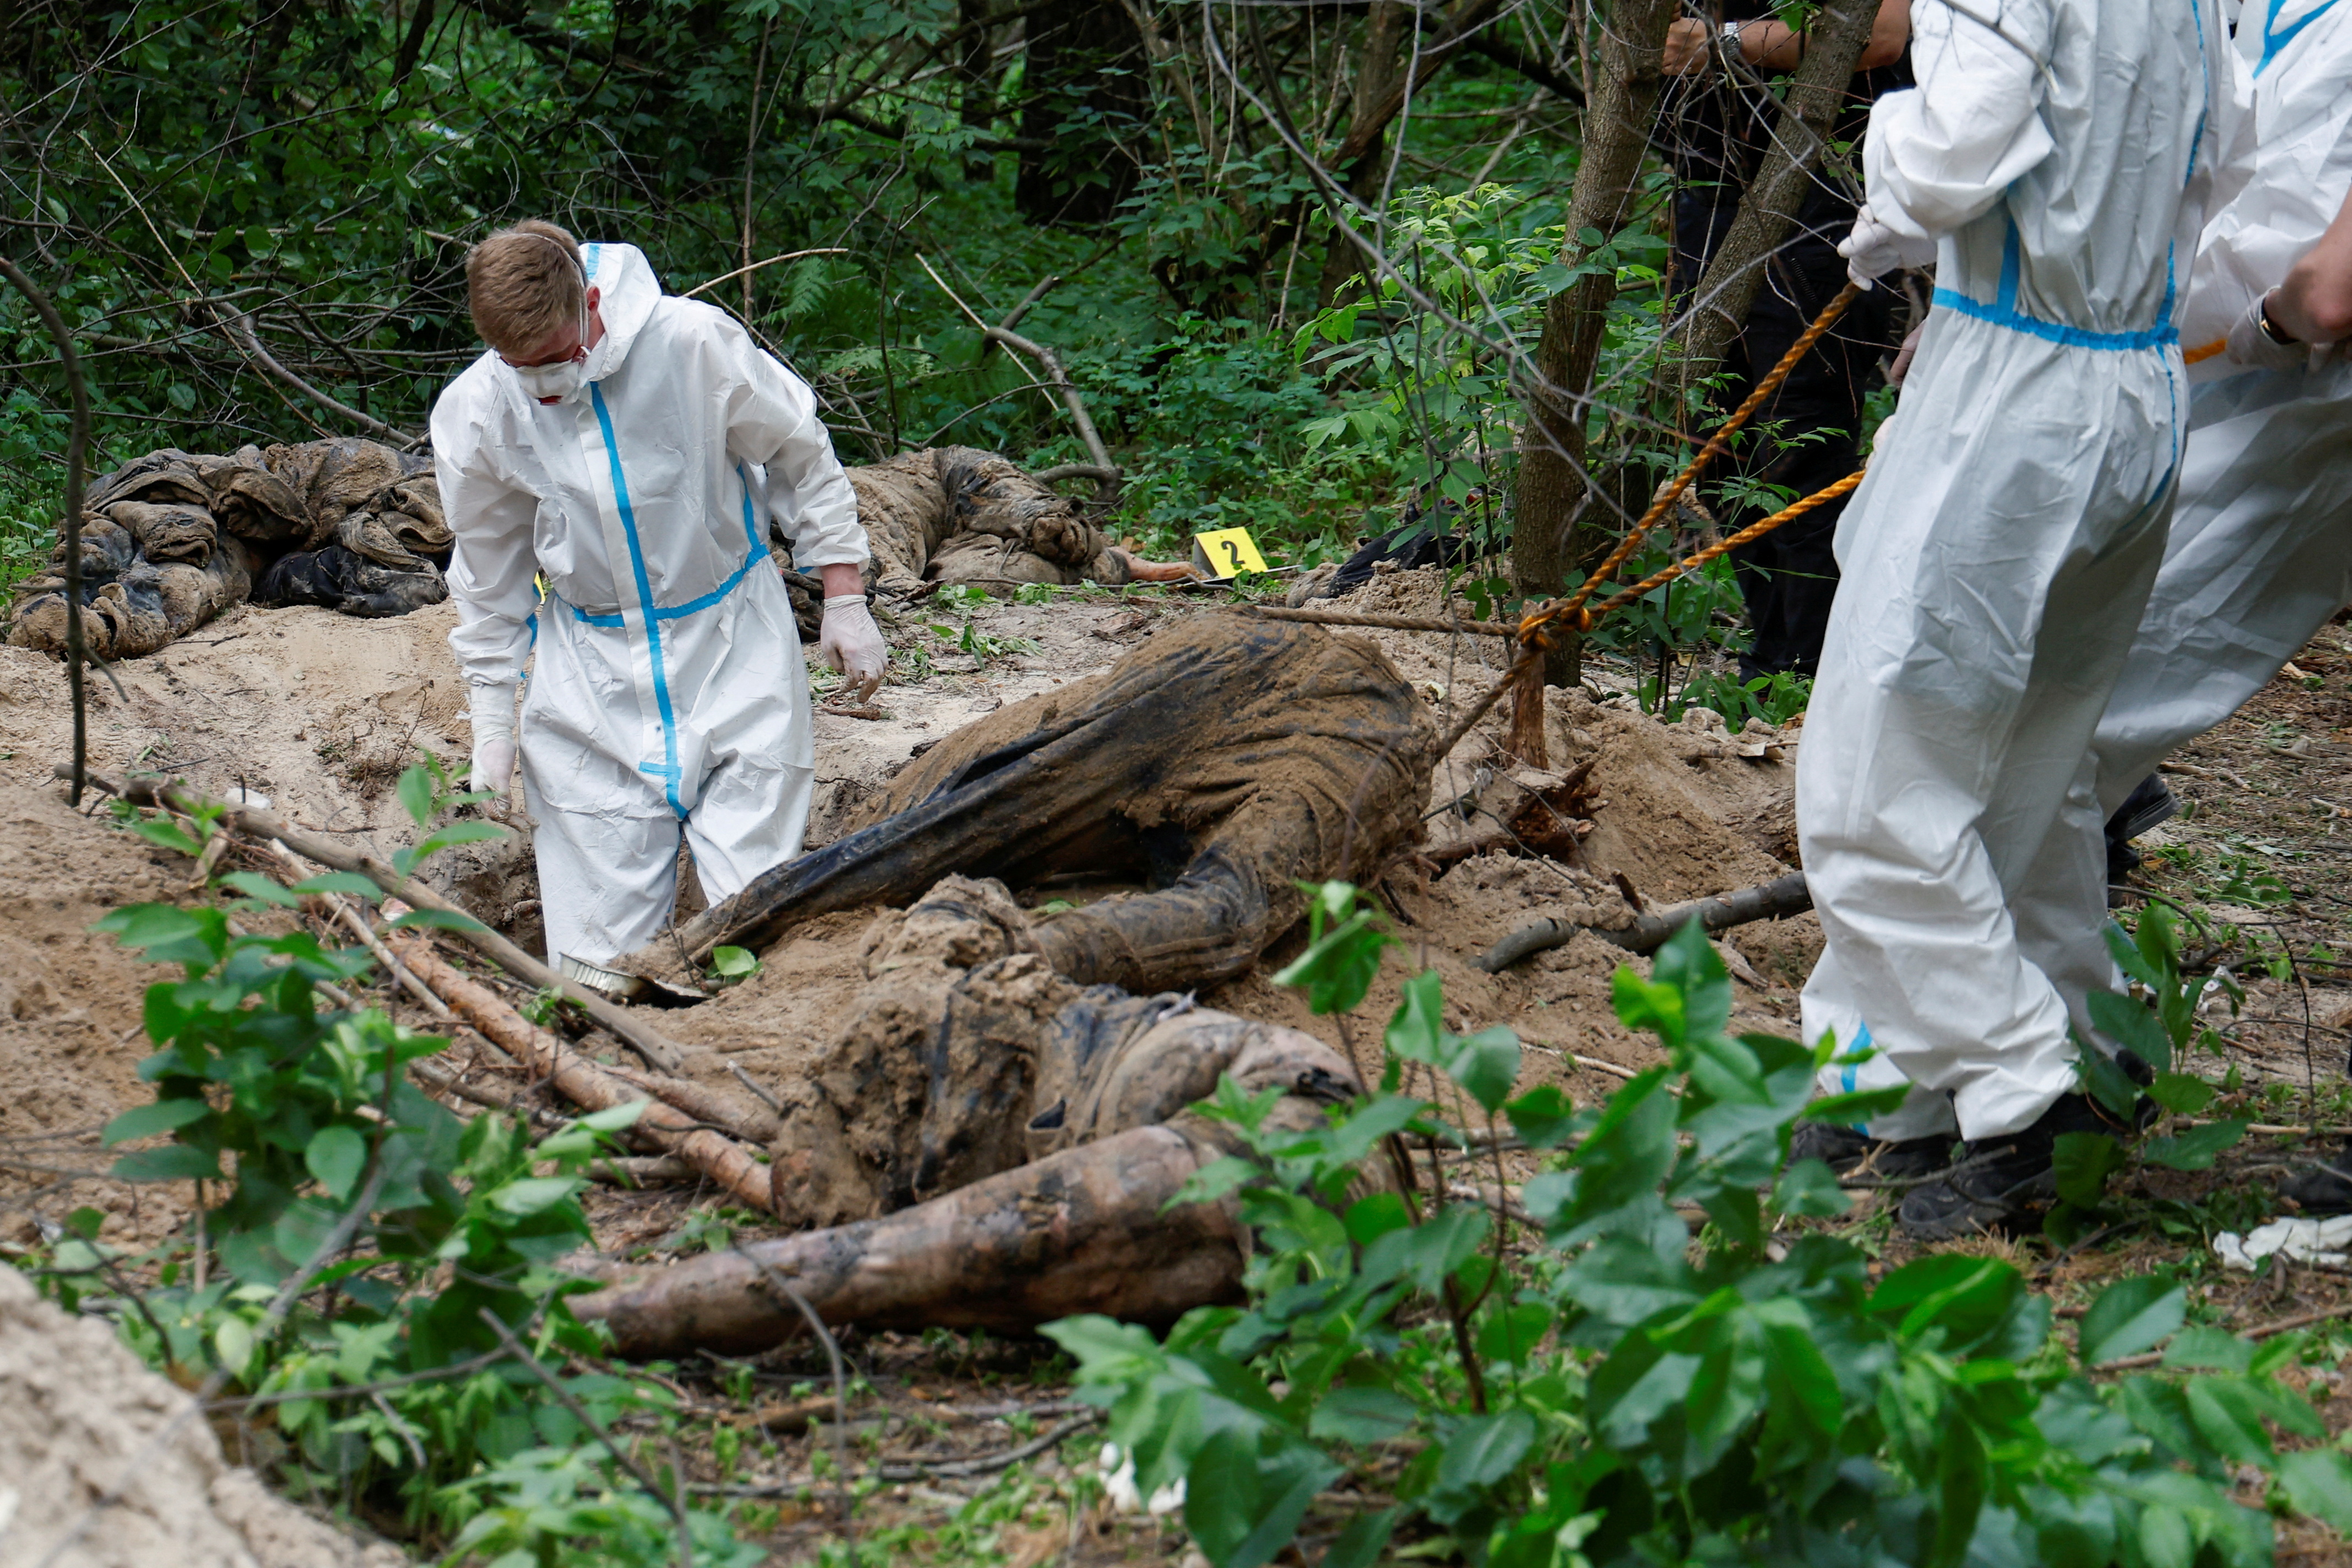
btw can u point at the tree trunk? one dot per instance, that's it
(1834, 42)
(1357, 163)
(1383, 86)
(1626, 82)
(976, 86)
(1084, 82)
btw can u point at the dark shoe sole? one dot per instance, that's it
(1945, 1211)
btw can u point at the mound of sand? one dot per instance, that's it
(103, 1464)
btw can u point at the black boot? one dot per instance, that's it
(1845, 1151)
(2324, 1187)
(2150, 803)
(1998, 1183)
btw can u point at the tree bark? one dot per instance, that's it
(1834, 42)
(583, 1081)
(976, 86)
(413, 44)
(1625, 84)
(1384, 85)
(1085, 79)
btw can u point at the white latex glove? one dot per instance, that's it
(2251, 344)
(493, 713)
(848, 641)
(1873, 249)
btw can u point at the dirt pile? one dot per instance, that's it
(319, 711)
(70, 1041)
(104, 1465)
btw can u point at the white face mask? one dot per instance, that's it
(563, 380)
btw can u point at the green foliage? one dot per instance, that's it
(734, 963)
(557, 1508)
(1776, 699)
(2159, 1032)
(1621, 1397)
(422, 1244)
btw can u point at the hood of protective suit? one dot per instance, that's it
(627, 293)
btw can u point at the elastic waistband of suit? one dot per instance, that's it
(613, 617)
(2013, 319)
(2002, 309)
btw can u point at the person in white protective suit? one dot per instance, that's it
(2260, 552)
(627, 449)
(2054, 162)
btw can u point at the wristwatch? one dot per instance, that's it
(1731, 37)
(2271, 328)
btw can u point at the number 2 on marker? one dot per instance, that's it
(1228, 552)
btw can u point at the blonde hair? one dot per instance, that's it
(523, 283)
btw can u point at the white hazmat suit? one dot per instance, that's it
(2260, 552)
(668, 690)
(1995, 561)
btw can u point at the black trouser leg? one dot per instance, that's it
(1789, 578)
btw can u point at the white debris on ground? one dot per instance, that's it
(1125, 1496)
(2318, 1243)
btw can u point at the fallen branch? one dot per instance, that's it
(239, 328)
(788, 256)
(643, 1170)
(2299, 1321)
(1649, 931)
(441, 1079)
(585, 1084)
(1389, 622)
(76, 443)
(1056, 378)
(1098, 473)
(755, 1126)
(255, 823)
(916, 1470)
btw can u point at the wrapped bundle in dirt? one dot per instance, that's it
(173, 538)
(954, 514)
(995, 1147)
(1219, 763)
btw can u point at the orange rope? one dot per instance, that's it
(1532, 624)
(1756, 530)
(1530, 632)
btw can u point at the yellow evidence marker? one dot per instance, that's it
(1226, 552)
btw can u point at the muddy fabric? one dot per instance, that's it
(131, 605)
(1220, 762)
(958, 514)
(357, 527)
(966, 1057)
(349, 582)
(173, 538)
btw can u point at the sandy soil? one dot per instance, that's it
(103, 1464)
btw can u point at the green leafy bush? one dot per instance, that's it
(1623, 1396)
(2158, 1033)
(421, 1245)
